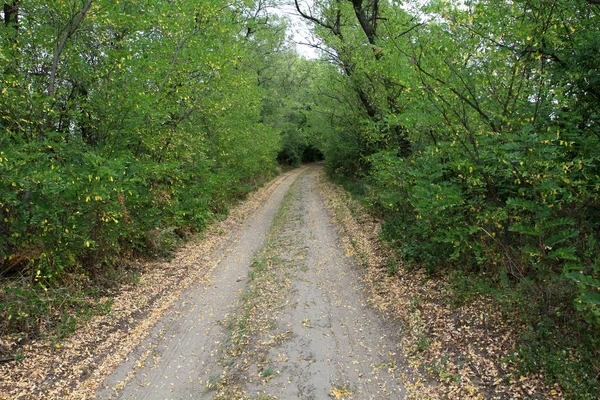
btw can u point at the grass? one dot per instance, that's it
(213, 382)
(267, 372)
(439, 368)
(392, 266)
(341, 391)
(423, 343)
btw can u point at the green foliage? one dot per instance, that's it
(574, 366)
(135, 126)
(55, 313)
(289, 107)
(474, 128)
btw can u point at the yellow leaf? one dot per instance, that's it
(339, 393)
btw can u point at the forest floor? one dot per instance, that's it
(290, 297)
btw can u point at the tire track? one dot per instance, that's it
(332, 344)
(180, 356)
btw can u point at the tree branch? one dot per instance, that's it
(410, 29)
(11, 13)
(75, 21)
(335, 29)
(365, 22)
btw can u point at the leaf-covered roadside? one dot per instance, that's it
(465, 351)
(472, 129)
(74, 367)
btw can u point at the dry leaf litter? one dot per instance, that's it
(74, 368)
(461, 353)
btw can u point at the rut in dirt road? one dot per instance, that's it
(181, 354)
(284, 317)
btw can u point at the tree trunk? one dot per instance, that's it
(74, 23)
(11, 13)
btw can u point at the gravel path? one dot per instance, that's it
(326, 342)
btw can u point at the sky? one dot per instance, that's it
(299, 30)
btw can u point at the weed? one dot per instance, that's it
(134, 277)
(392, 266)
(423, 343)
(267, 372)
(362, 258)
(414, 303)
(340, 391)
(439, 369)
(19, 355)
(213, 382)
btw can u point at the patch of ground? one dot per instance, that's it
(291, 322)
(75, 367)
(461, 353)
(303, 329)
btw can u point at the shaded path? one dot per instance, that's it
(334, 344)
(184, 344)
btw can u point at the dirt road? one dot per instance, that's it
(282, 316)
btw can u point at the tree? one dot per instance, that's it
(475, 128)
(122, 122)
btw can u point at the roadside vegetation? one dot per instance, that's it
(126, 127)
(471, 128)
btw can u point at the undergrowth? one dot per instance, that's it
(556, 341)
(36, 305)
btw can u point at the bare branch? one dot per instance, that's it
(74, 24)
(310, 17)
(410, 29)
(331, 53)
(335, 29)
